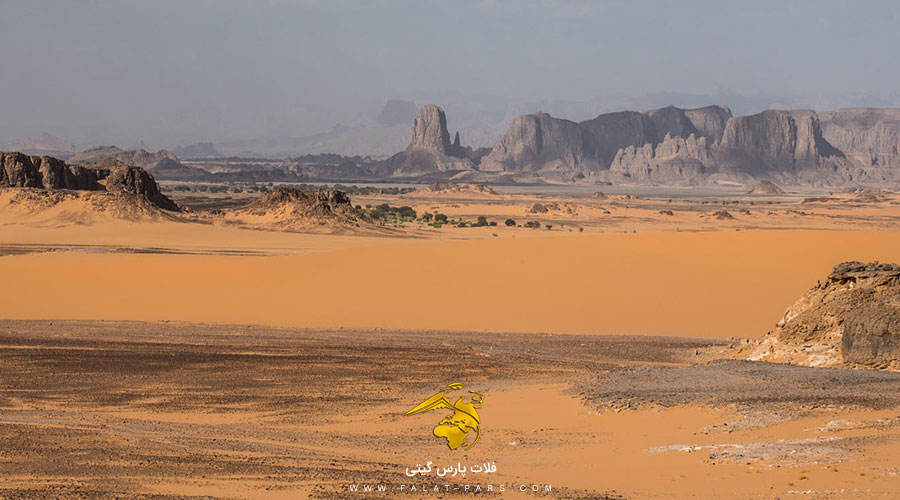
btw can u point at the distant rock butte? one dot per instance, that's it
(852, 318)
(18, 170)
(430, 150)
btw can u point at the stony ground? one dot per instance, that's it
(104, 410)
(96, 410)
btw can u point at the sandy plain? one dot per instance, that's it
(201, 358)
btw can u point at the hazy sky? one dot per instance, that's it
(175, 72)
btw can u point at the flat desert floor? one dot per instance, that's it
(200, 357)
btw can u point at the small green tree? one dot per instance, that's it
(510, 222)
(441, 218)
(405, 212)
(481, 221)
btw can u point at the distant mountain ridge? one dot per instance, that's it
(670, 146)
(162, 164)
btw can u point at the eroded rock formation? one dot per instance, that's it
(851, 318)
(670, 146)
(430, 150)
(44, 172)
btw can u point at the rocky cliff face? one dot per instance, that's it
(430, 150)
(774, 140)
(674, 160)
(44, 172)
(782, 146)
(852, 318)
(709, 121)
(869, 137)
(625, 142)
(538, 142)
(430, 130)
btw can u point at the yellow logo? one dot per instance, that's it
(456, 427)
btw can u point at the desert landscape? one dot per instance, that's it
(426, 250)
(266, 342)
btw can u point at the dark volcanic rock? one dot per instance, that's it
(44, 172)
(320, 204)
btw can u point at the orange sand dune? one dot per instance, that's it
(714, 284)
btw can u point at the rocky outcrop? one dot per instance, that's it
(430, 150)
(44, 172)
(459, 188)
(852, 318)
(292, 209)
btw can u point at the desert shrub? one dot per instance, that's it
(533, 224)
(510, 222)
(480, 222)
(386, 212)
(405, 212)
(441, 218)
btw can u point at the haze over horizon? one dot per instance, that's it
(171, 73)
